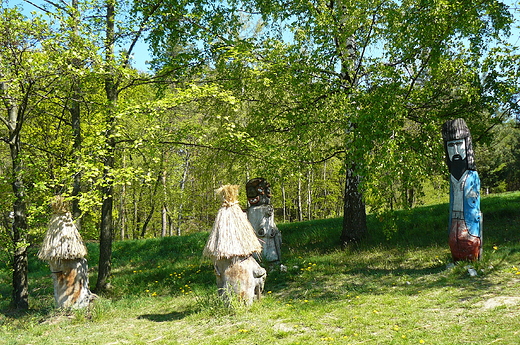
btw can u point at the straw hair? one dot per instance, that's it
(59, 205)
(62, 240)
(228, 194)
(232, 235)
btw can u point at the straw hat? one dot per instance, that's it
(62, 240)
(232, 234)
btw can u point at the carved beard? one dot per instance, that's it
(458, 166)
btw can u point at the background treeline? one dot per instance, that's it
(338, 104)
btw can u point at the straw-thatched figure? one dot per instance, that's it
(231, 246)
(65, 252)
(261, 216)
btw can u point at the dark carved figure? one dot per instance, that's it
(258, 192)
(465, 223)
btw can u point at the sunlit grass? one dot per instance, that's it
(397, 290)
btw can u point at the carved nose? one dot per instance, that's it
(261, 232)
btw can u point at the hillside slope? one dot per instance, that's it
(395, 288)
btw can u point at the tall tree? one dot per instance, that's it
(381, 75)
(118, 76)
(111, 89)
(28, 76)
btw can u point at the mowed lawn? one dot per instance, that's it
(397, 287)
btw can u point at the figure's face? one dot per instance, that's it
(456, 149)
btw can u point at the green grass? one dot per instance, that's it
(387, 290)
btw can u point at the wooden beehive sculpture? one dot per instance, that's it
(261, 216)
(64, 250)
(465, 224)
(231, 246)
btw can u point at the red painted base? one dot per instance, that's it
(464, 246)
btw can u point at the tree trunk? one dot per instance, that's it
(410, 197)
(14, 121)
(146, 221)
(182, 188)
(284, 204)
(152, 205)
(20, 267)
(75, 114)
(299, 201)
(164, 210)
(122, 213)
(136, 214)
(309, 194)
(76, 132)
(106, 231)
(354, 217)
(164, 221)
(106, 228)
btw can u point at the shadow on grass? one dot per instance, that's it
(403, 262)
(384, 282)
(173, 316)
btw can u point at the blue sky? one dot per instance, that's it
(142, 54)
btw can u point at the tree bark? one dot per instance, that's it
(122, 213)
(106, 228)
(284, 203)
(147, 221)
(164, 221)
(75, 113)
(20, 267)
(182, 188)
(309, 194)
(299, 201)
(14, 121)
(354, 216)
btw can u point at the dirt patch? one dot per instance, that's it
(501, 301)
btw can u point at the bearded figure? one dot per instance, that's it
(465, 222)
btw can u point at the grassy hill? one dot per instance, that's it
(395, 288)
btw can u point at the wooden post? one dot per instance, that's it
(261, 215)
(65, 252)
(231, 246)
(465, 222)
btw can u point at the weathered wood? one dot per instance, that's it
(262, 220)
(65, 252)
(240, 277)
(465, 222)
(231, 246)
(71, 285)
(258, 192)
(261, 216)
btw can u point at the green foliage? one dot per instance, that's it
(368, 83)
(498, 161)
(309, 101)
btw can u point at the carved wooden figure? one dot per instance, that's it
(231, 246)
(261, 215)
(465, 223)
(65, 252)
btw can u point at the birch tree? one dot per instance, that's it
(380, 75)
